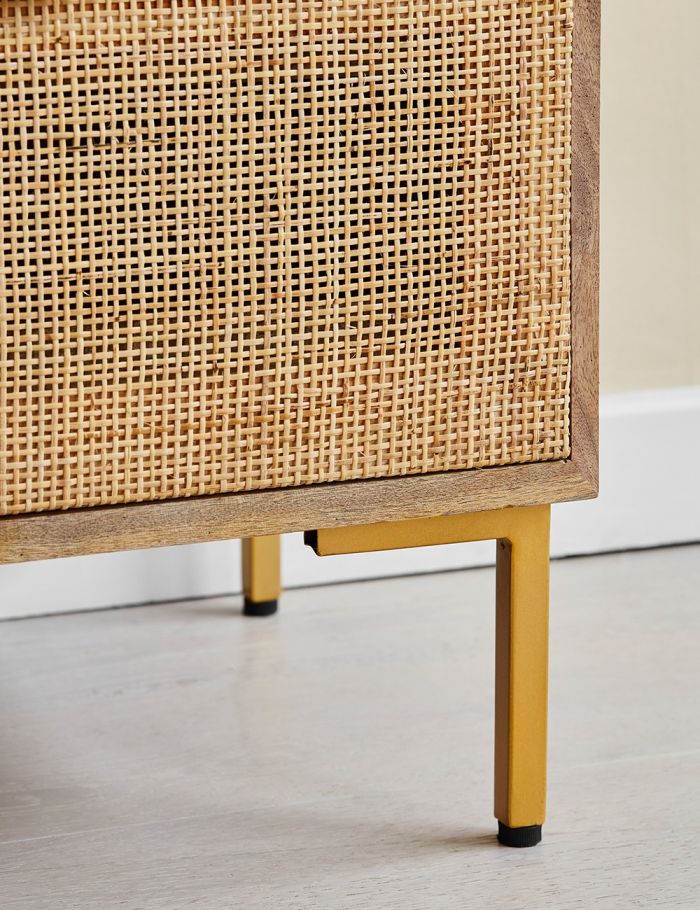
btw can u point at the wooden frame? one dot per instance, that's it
(225, 516)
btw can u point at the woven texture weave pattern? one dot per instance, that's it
(265, 244)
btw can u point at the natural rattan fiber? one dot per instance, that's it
(264, 244)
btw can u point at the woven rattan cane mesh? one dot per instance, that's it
(264, 244)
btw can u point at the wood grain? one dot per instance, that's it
(585, 216)
(160, 524)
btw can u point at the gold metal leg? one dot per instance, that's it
(261, 575)
(522, 601)
(522, 606)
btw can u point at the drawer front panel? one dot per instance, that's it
(250, 246)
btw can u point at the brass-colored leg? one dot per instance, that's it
(522, 601)
(522, 595)
(261, 575)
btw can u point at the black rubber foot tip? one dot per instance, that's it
(529, 836)
(259, 607)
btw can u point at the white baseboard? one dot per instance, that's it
(650, 496)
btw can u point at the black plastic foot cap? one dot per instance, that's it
(529, 836)
(259, 607)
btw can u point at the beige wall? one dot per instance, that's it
(650, 185)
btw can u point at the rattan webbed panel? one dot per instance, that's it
(265, 244)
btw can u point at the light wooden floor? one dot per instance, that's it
(339, 755)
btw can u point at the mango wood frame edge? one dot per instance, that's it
(225, 516)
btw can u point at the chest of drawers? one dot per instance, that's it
(326, 266)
